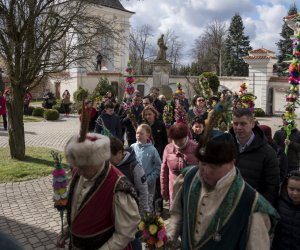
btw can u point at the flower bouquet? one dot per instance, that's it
(153, 231)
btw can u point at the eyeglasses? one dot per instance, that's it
(146, 103)
(200, 100)
(293, 173)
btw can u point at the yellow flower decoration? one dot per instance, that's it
(161, 221)
(141, 226)
(153, 229)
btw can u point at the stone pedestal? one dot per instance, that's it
(161, 71)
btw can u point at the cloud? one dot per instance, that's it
(268, 26)
(188, 18)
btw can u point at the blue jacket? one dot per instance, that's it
(149, 158)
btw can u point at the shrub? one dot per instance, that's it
(51, 114)
(30, 110)
(59, 107)
(38, 111)
(259, 112)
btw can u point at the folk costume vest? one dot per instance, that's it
(93, 224)
(228, 229)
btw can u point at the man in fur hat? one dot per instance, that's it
(102, 212)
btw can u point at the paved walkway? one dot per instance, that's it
(26, 208)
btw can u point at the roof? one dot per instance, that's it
(114, 4)
(261, 53)
(261, 50)
(259, 57)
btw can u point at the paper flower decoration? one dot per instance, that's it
(292, 97)
(180, 114)
(168, 115)
(179, 89)
(153, 230)
(129, 89)
(245, 99)
(59, 186)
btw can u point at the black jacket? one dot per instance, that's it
(287, 232)
(111, 122)
(259, 166)
(159, 107)
(159, 133)
(127, 124)
(282, 159)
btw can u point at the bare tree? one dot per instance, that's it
(174, 52)
(140, 46)
(40, 37)
(208, 50)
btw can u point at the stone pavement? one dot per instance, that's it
(53, 134)
(26, 208)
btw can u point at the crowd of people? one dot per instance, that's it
(226, 190)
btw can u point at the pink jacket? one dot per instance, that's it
(2, 105)
(173, 161)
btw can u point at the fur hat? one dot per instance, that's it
(92, 152)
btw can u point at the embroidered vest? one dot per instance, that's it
(93, 225)
(228, 228)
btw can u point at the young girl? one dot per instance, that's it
(148, 156)
(287, 233)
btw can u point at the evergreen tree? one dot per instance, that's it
(285, 45)
(237, 46)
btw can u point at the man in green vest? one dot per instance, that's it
(214, 208)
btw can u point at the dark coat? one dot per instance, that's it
(294, 147)
(111, 122)
(287, 233)
(159, 106)
(125, 121)
(159, 134)
(259, 166)
(282, 159)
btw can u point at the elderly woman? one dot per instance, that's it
(178, 154)
(199, 109)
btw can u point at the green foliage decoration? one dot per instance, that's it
(212, 80)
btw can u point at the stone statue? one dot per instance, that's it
(99, 60)
(162, 48)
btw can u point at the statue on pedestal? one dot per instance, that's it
(162, 49)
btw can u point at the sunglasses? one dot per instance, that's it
(200, 100)
(292, 173)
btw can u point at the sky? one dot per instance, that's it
(262, 19)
